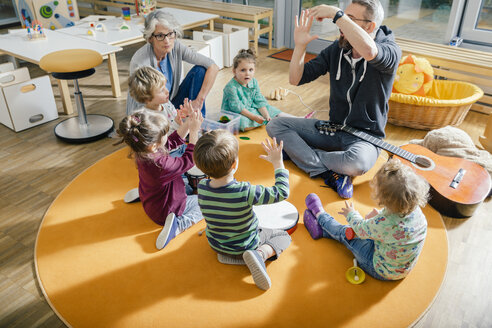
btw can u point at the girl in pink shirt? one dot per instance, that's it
(161, 187)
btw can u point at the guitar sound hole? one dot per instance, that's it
(423, 162)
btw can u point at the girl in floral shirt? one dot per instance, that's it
(388, 241)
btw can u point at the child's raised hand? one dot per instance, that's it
(185, 109)
(195, 119)
(178, 118)
(349, 207)
(274, 152)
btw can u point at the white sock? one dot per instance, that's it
(318, 214)
(266, 251)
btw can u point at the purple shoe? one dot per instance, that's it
(312, 225)
(313, 203)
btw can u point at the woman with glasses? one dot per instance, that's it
(164, 52)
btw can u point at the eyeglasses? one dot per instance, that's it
(359, 19)
(161, 36)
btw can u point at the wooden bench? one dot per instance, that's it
(242, 15)
(456, 63)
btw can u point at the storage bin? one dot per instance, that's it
(211, 122)
(200, 47)
(234, 38)
(216, 46)
(25, 102)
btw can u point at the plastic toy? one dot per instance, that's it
(355, 275)
(126, 13)
(100, 27)
(124, 26)
(414, 76)
(35, 32)
(224, 119)
(349, 233)
(145, 7)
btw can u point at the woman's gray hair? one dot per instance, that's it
(374, 11)
(162, 18)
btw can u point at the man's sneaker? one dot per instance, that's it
(256, 266)
(341, 183)
(285, 157)
(312, 225)
(313, 203)
(168, 232)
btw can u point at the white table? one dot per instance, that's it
(17, 45)
(115, 36)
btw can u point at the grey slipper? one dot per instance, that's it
(132, 196)
(256, 266)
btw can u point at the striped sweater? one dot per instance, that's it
(232, 226)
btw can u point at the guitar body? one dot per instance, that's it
(458, 185)
(468, 194)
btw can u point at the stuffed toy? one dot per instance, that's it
(414, 76)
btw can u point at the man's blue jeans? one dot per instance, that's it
(190, 87)
(315, 153)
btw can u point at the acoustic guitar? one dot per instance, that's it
(458, 186)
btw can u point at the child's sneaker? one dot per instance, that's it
(341, 183)
(256, 266)
(168, 232)
(312, 225)
(313, 203)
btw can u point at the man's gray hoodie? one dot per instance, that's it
(359, 94)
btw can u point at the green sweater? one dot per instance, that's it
(232, 226)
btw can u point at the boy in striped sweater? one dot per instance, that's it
(227, 204)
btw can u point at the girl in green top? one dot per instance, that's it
(242, 94)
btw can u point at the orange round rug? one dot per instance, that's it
(98, 267)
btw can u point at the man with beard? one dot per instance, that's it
(362, 66)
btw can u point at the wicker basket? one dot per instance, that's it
(446, 104)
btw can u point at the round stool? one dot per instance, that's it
(74, 64)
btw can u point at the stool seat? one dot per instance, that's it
(71, 60)
(74, 64)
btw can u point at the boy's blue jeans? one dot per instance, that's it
(363, 249)
(190, 87)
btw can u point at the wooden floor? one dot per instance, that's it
(35, 167)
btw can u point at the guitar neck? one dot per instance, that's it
(380, 143)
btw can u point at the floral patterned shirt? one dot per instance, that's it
(398, 241)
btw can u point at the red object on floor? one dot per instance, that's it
(349, 233)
